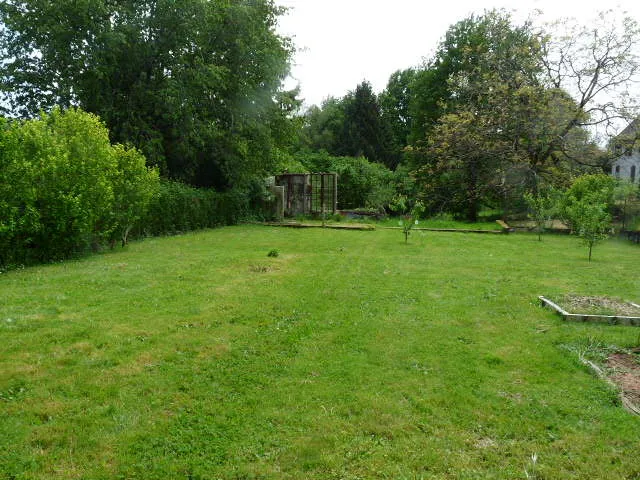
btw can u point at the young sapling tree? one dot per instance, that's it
(543, 205)
(592, 222)
(407, 222)
(586, 207)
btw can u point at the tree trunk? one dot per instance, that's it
(473, 208)
(472, 194)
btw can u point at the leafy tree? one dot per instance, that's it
(351, 126)
(323, 126)
(471, 48)
(465, 168)
(595, 64)
(395, 103)
(472, 153)
(543, 205)
(364, 133)
(193, 84)
(597, 187)
(592, 222)
(586, 207)
(549, 90)
(426, 105)
(502, 125)
(400, 204)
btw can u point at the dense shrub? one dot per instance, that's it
(176, 207)
(134, 186)
(64, 188)
(360, 183)
(56, 178)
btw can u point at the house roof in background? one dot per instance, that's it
(632, 129)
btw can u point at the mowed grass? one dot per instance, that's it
(349, 356)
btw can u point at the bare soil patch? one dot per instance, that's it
(624, 371)
(592, 305)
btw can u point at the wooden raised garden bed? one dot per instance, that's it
(576, 308)
(345, 226)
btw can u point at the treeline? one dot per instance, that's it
(194, 85)
(499, 110)
(190, 92)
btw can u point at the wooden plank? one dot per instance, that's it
(313, 225)
(584, 318)
(505, 226)
(451, 230)
(548, 303)
(609, 319)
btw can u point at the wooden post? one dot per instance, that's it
(322, 198)
(335, 193)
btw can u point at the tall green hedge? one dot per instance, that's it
(176, 208)
(64, 190)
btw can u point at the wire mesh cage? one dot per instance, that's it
(309, 193)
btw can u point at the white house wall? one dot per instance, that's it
(625, 163)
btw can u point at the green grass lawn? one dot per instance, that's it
(349, 356)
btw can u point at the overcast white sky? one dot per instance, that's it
(342, 42)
